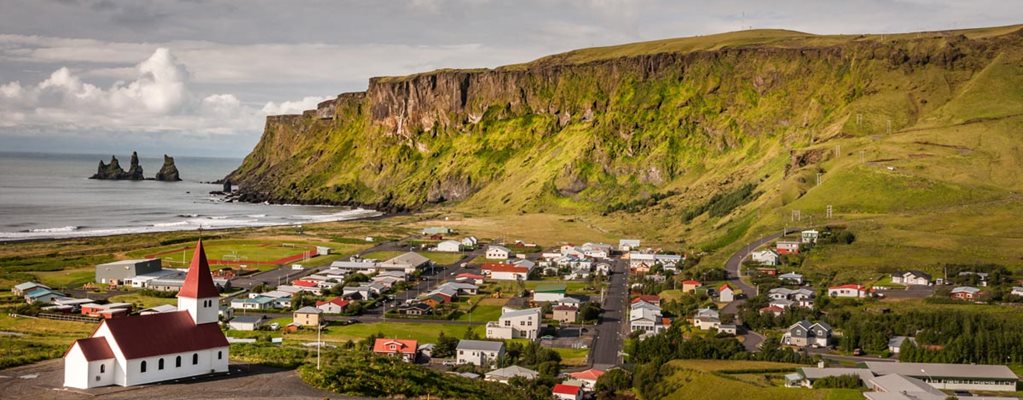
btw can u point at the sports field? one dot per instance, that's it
(259, 254)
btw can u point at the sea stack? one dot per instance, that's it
(168, 172)
(113, 171)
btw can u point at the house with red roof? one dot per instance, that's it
(726, 294)
(690, 285)
(567, 392)
(588, 377)
(333, 306)
(156, 347)
(470, 277)
(505, 271)
(406, 349)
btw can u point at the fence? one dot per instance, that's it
(69, 317)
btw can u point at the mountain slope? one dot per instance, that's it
(710, 138)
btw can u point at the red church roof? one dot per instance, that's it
(562, 388)
(95, 348)
(163, 333)
(198, 280)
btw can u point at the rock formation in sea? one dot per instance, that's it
(113, 171)
(168, 172)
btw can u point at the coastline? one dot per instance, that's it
(192, 224)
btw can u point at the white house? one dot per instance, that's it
(156, 347)
(792, 278)
(478, 352)
(911, 278)
(850, 290)
(706, 318)
(247, 322)
(765, 257)
(628, 244)
(1017, 291)
(895, 344)
(498, 253)
(549, 292)
(506, 272)
(514, 324)
(809, 236)
(449, 246)
(726, 294)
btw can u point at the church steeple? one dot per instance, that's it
(198, 295)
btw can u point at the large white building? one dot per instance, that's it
(156, 347)
(515, 324)
(479, 352)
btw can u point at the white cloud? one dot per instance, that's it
(159, 99)
(292, 107)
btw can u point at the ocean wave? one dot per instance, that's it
(69, 228)
(188, 215)
(169, 224)
(256, 216)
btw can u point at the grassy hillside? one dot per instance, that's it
(697, 143)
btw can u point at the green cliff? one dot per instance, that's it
(708, 131)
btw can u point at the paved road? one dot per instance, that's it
(752, 340)
(735, 261)
(612, 329)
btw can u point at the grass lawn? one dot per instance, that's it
(707, 379)
(383, 255)
(146, 301)
(67, 278)
(483, 312)
(39, 339)
(423, 332)
(572, 357)
(254, 251)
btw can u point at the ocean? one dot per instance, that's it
(50, 196)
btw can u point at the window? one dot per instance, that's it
(177, 362)
(159, 365)
(102, 368)
(142, 367)
(195, 358)
(220, 355)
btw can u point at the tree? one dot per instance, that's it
(614, 380)
(445, 346)
(470, 334)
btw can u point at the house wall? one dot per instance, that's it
(497, 254)
(307, 319)
(500, 332)
(203, 311)
(967, 384)
(477, 357)
(508, 276)
(208, 363)
(551, 297)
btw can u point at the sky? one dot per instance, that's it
(198, 77)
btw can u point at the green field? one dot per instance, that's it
(573, 357)
(254, 253)
(145, 301)
(37, 339)
(708, 379)
(482, 312)
(66, 278)
(423, 332)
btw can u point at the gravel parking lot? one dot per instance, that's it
(44, 380)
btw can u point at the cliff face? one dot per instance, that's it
(598, 129)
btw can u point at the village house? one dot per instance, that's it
(809, 236)
(596, 250)
(406, 349)
(478, 352)
(355, 266)
(726, 294)
(588, 378)
(436, 230)
(505, 272)
(470, 278)
(791, 278)
(562, 391)
(690, 285)
(307, 316)
(787, 247)
(849, 290)
(773, 310)
(495, 252)
(247, 322)
(415, 309)
(765, 257)
(22, 288)
(895, 343)
(707, 319)
(515, 324)
(503, 375)
(470, 242)
(121, 272)
(156, 347)
(449, 246)
(911, 278)
(408, 263)
(785, 297)
(163, 308)
(966, 293)
(254, 303)
(806, 334)
(565, 314)
(627, 245)
(549, 292)
(1017, 291)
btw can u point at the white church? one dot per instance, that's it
(156, 347)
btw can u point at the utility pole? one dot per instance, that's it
(319, 327)
(829, 211)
